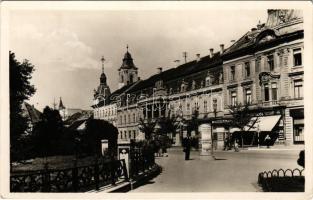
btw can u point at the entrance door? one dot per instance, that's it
(298, 132)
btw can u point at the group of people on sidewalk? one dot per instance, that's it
(230, 143)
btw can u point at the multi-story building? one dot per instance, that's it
(263, 68)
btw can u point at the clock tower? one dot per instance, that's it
(128, 72)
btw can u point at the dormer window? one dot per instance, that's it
(193, 85)
(183, 86)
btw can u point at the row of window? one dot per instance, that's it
(124, 119)
(196, 106)
(270, 92)
(105, 112)
(297, 61)
(128, 134)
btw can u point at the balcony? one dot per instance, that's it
(270, 103)
(296, 70)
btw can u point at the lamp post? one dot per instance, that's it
(258, 130)
(215, 112)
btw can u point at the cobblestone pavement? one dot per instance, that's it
(231, 172)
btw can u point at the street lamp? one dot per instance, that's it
(215, 112)
(258, 130)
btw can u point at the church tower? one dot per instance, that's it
(103, 90)
(128, 72)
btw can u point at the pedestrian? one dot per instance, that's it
(226, 141)
(236, 146)
(267, 140)
(187, 147)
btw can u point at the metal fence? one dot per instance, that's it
(77, 179)
(141, 160)
(282, 180)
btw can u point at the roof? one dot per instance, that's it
(278, 29)
(180, 71)
(128, 62)
(31, 112)
(77, 118)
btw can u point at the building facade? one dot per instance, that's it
(263, 68)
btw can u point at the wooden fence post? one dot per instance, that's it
(124, 170)
(96, 175)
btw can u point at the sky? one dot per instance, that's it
(66, 46)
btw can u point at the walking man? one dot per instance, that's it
(187, 147)
(267, 140)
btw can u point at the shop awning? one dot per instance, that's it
(232, 130)
(265, 123)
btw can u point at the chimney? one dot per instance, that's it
(198, 57)
(159, 70)
(211, 52)
(222, 48)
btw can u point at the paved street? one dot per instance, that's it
(231, 172)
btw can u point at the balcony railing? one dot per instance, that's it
(270, 103)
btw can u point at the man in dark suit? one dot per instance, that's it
(187, 147)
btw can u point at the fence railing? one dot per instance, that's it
(141, 161)
(282, 180)
(77, 179)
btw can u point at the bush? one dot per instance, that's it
(283, 184)
(301, 158)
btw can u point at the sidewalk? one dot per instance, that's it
(230, 172)
(279, 147)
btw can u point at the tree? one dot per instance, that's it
(168, 124)
(301, 159)
(97, 130)
(242, 118)
(147, 127)
(48, 133)
(20, 90)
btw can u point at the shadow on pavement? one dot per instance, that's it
(220, 159)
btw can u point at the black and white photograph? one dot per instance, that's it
(156, 97)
